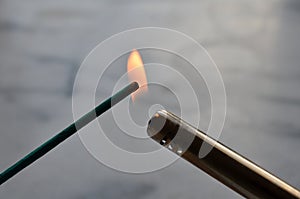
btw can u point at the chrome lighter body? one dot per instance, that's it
(222, 163)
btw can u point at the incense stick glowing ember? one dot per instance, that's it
(136, 72)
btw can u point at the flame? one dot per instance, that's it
(136, 72)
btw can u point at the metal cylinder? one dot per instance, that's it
(222, 163)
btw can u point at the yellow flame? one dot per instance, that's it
(136, 72)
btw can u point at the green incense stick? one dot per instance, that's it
(67, 132)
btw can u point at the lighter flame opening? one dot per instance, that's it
(136, 72)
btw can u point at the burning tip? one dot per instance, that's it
(136, 72)
(135, 85)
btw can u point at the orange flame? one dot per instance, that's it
(136, 72)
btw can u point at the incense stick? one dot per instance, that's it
(67, 132)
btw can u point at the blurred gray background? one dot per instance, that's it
(42, 43)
